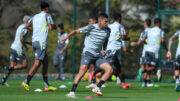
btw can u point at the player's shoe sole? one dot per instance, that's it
(50, 88)
(26, 86)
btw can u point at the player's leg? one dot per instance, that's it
(56, 60)
(106, 67)
(47, 86)
(62, 60)
(82, 71)
(177, 73)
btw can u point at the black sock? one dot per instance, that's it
(11, 68)
(94, 80)
(28, 79)
(149, 81)
(101, 83)
(74, 88)
(145, 81)
(46, 84)
(97, 70)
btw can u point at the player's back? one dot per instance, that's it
(17, 45)
(40, 27)
(154, 38)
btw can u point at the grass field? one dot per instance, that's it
(113, 92)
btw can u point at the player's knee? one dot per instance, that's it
(36, 64)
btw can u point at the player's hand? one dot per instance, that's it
(133, 43)
(168, 55)
(61, 51)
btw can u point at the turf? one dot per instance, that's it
(113, 92)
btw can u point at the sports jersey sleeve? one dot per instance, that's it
(67, 41)
(24, 31)
(85, 29)
(141, 36)
(122, 31)
(162, 34)
(49, 19)
(30, 21)
(176, 34)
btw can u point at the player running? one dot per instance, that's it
(154, 37)
(16, 51)
(41, 23)
(61, 52)
(177, 59)
(92, 52)
(147, 24)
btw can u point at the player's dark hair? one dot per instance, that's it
(156, 21)
(61, 26)
(116, 16)
(102, 15)
(93, 17)
(44, 5)
(148, 22)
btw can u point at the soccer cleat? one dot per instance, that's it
(177, 87)
(126, 85)
(143, 85)
(103, 86)
(91, 85)
(159, 76)
(26, 86)
(150, 84)
(72, 95)
(139, 75)
(4, 83)
(50, 88)
(97, 91)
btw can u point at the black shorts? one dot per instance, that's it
(16, 56)
(150, 59)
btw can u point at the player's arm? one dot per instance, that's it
(22, 41)
(51, 25)
(169, 46)
(29, 24)
(142, 39)
(125, 48)
(163, 40)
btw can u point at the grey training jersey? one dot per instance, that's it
(114, 41)
(40, 26)
(62, 44)
(141, 37)
(154, 36)
(96, 38)
(178, 48)
(17, 45)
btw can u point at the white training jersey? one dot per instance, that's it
(154, 36)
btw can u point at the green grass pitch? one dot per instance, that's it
(113, 92)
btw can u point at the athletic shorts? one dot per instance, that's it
(142, 61)
(150, 58)
(88, 59)
(177, 61)
(113, 56)
(39, 49)
(16, 56)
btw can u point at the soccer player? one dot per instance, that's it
(177, 60)
(92, 52)
(154, 37)
(40, 23)
(16, 51)
(61, 52)
(147, 24)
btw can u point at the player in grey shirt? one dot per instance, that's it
(147, 24)
(16, 50)
(92, 52)
(60, 54)
(41, 23)
(177, 59)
